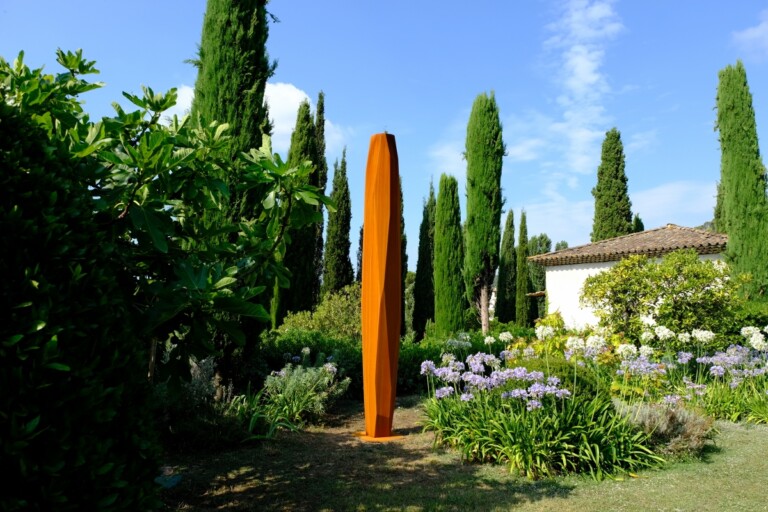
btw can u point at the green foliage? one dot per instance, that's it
(672, 431)
(233, 69)
(450, 299)
(742, 208)
(424, 286)
(484, 153)
(403, 264)
(76, 433)
(637, 224)
(359, 267)
(507, 278)
(111, 255)
(562, 244)
(304, 290)
(681, 293)
(522, 301)
(337, 267)
(299, 394)
(613, 209)
(337, 316)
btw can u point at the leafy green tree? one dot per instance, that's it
(410, 280)
(538, 244)
(424, 285)
(337, 266)
(450, 299)
(637, 224)
(613, 209)
(233, 69)
(522, 301)
(303, 290)
(562, 244)
(484, 152)
(743, 208)
(118, 207)
(507, 282)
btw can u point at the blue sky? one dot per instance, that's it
(563, 72)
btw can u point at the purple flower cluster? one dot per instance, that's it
(698, 389)
(443, 392)
(641, 367)
(684, 357)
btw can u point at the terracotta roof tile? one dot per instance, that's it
(654, 242)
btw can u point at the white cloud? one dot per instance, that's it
(183, 102)
(754, 40)
(641, 140)
(336, 137)
(687, 203)
(525, 150)
(580, 36)
(284, 100)
(448, 157)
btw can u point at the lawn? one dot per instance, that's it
(328, 468)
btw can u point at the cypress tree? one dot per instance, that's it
(233, 69)
(337, 267)
(359, 273)
(484, 152)
(538, 244)
(301, 250)
(522, 304)
(450, 300)
(506, 283)
(637, 224)
(613, 209)
(424, 285)
(321, 168)
(744, 212)
(403, 264)
(562, 244)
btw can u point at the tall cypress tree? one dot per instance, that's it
(424, 285)
(506, 283)
(233, 69)
(744, 212)
(337, 267)
(637, 224)
(522, 301)
(450, 301)
(300, 253)
(484, 152)
(359, 272)
(403, 264)
(321, 166)
(613, 209)
(538, 244)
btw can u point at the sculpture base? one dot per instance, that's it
(368, 439)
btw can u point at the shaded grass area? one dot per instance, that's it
(328, 468)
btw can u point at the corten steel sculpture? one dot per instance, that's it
(381, 286)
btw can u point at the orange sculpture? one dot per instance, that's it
(381, 286)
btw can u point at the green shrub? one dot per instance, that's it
(681, 293)
(76, 432)
(672, 430)
(337, 315)
(579, 379)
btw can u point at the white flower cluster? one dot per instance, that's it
(489, 340)
(575, 344)
(458, 344)
(755, 337)
(702, 336)
(596, 343)
(663, 333)
(646, 351)
(647, 336)
(544, 332)
(506, 336)
(684, 337)
(626, 351)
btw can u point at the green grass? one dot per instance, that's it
(327, 468)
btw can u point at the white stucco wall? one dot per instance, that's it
(564, 284)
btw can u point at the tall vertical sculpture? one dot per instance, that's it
(381, 285)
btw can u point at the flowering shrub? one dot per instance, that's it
(528, 419)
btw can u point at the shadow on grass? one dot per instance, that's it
(330, 469)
